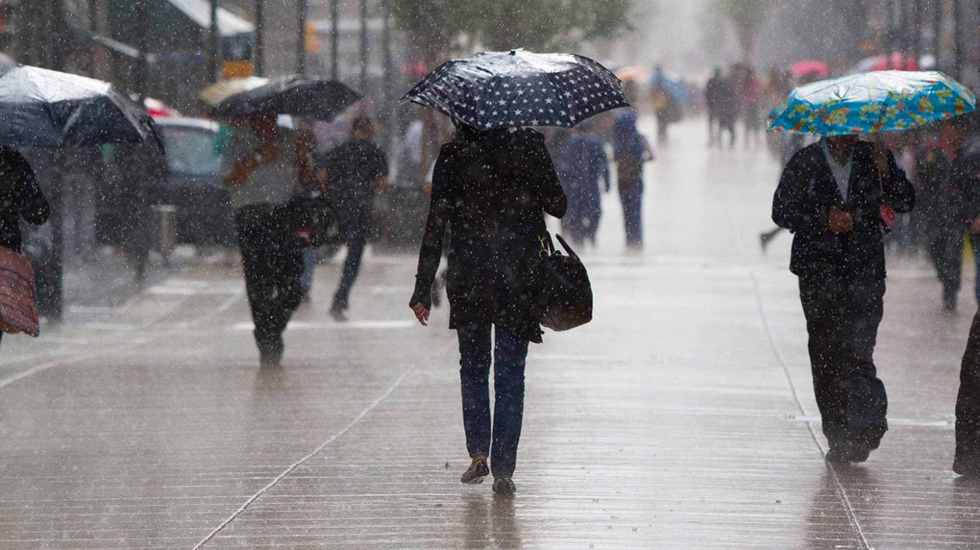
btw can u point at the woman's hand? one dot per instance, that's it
(422, 314)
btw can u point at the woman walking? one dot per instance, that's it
(20, 198)
(493, 189)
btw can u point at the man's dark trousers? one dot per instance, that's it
(843, 314)
(355, 225)
(273, 266)
(968, 407)
(631, 196)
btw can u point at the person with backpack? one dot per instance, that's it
(493, 188)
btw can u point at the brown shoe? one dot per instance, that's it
(476, 472)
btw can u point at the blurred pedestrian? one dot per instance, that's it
(712, 98)
(726, 107)
(947, 182)
(967, 460)
(751, 93)
(138, 167)
(493, 189)
(584, 173)
(20, 199)
(665, 104)
(81, 168)
(831, 196)
(356, 171)
(632, 151)
(266, 165)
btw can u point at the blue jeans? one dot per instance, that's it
(510, 355)
(352, 266)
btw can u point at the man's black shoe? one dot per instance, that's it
(504, 486)
(967, 468)
(847, 454)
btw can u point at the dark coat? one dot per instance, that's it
(806, 192)
(948, 190)
(20, 198)
(493, 191)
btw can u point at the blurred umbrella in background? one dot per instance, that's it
(44, 108)
(214, 94)
(809, 68)
(633, 73)
(520, 88)
(290, 95)
(894, 61)
(871, 103)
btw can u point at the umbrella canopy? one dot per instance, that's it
(214, 94)
(291, 95)
(670, 84)
(520, 88)
(870, 103)
(810, 67)
(44, 108)
(893, 61)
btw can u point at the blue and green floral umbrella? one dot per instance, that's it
(870, 103)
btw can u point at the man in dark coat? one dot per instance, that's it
(356, 171)
(20, 198)
(967, 462)
(832, 196)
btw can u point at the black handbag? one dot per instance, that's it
(315, 217)
(565, 299)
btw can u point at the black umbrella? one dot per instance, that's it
(291, 95)
(44, 108)
(520, 88)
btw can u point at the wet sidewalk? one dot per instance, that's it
(683, 417)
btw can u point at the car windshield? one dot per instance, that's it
(191, 151)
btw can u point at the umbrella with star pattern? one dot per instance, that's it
(520, 88)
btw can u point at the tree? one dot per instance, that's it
(747, 16)
(435, 25)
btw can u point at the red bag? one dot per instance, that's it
(18, 311)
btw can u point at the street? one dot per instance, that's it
(682, 417)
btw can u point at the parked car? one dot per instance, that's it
(193, 186)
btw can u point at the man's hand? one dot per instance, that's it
(422, 314)
(840, 222)
(975, 227)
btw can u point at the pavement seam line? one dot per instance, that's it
(841, 490)
(66, 359)
(292, 467)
